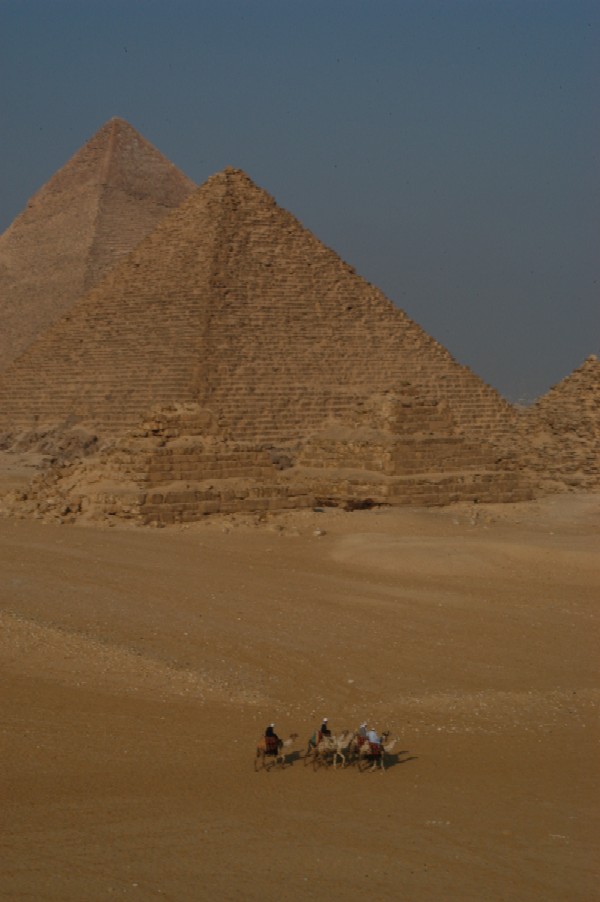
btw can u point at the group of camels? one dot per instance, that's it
(349, 748)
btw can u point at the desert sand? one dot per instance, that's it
(140, 666)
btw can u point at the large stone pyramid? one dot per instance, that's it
(109, 196)
(263, 353)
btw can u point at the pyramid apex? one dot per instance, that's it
(233, 173)
(235, 170)
(115, 123)
(235, 180)
(238, 181)
(117, 130)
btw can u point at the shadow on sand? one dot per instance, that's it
(392, 759)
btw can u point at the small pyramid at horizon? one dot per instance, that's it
(88, 216)
(581, 386)
(570, 411)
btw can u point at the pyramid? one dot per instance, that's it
(109, 196)
(234, 313)
(565, 424)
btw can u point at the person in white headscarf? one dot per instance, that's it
(373, 737)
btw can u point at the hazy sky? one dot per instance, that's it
(447, 150)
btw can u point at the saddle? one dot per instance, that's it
(271, 745)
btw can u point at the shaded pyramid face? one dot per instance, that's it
(567, 421)
(96, 209)
(577, 396)
(231, 304)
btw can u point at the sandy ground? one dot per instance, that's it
(140, 666)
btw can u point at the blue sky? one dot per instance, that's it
(447, 150)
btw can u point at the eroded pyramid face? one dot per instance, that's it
(94, 211)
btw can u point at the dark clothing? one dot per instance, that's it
(271, 741)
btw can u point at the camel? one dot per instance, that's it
(365, 755)
(330, 747)
(273, 758)
(358, 743)
(354, 747)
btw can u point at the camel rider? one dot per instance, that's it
(271, 740)
(324, 731)
(374, 740)
(361, 733)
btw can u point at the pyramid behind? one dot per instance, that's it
(134, 341)
(99, 206)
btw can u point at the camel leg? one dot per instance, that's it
(337, 755)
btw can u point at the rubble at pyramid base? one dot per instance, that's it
(181, 465)
(178, 468)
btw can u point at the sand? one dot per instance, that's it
(140, 666)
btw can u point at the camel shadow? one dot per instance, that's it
(292, 757)
(394, 759)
